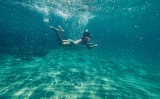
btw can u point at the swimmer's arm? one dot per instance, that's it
(90, 47)
(90, 43)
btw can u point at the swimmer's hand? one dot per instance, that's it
(95, 45)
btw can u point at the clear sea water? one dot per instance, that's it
(125, 65)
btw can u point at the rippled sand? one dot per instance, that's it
(68, 74)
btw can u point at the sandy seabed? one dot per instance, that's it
(69, 74)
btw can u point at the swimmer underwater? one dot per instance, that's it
(84, 40)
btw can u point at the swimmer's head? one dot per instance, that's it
(86, 33)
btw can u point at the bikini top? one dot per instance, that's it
(85, 40)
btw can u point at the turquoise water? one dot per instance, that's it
(125, 65)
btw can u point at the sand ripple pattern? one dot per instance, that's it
(66, 74)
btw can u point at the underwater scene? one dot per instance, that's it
(45, 54)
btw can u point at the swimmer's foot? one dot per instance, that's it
(53, 28)
(60, 29)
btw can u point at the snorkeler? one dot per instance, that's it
(84, 40)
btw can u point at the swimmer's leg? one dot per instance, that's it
(57, 34)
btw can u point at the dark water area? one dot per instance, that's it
(125, 65)
(23, 31)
